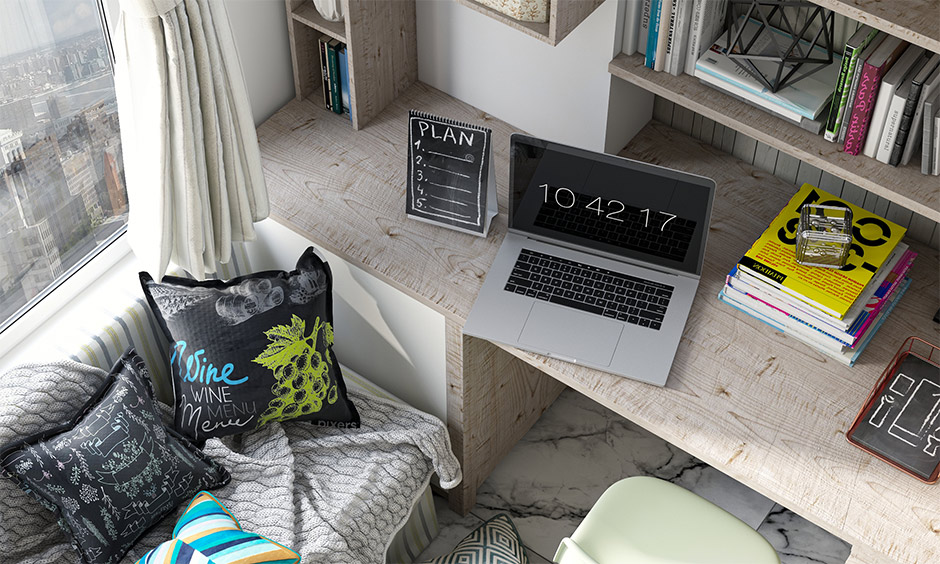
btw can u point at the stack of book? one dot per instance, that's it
(672, 34)
(800, 102)
(334, 65)
(885, 100)
(835, 311)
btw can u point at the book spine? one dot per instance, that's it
(832, 129)
(680, 50)
(850, 100)
(862, 108)
(927, 141)
(936, 146)
(893, 300)
(651, 38)
(631, 26)
(907, 120)
(886, 289)
(850, 85)
(889, 133)
(324, 68)
(335, 93)
(695, 36)
(671, 36)
(643, 34)
(662, 37)
(344, 82)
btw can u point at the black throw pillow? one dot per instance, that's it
(115, 470)
(252, 350)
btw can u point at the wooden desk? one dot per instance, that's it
(759, 406)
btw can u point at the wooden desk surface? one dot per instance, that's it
(759, 406)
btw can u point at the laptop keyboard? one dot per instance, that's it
(591, 289)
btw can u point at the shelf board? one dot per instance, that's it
(307, 14)
(903, 185)
(915, 21)
(537, 30)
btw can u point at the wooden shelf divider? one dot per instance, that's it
(903, 185)
(564, 16)
(307, 14)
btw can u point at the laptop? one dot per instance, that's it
(601, 262)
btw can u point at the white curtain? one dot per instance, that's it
(191, 158)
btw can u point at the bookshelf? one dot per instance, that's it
(564, 16)
(381, 46)
(912, 20)
(904, 185)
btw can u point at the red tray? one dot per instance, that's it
(882, 439)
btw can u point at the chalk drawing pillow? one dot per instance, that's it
(208, 533)
(115, 470)
(252, 350)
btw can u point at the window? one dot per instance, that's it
(62, 194)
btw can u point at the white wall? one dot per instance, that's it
(381, 333)
(260, 30)
(559, 93)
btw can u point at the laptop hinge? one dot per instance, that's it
(612, 256)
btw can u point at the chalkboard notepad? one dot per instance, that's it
(902, 421)
(450, 173)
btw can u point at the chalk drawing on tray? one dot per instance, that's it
(902, 384)
(878, 417)
(933, 443)
(918, 414)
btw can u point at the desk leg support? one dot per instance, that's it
(493, 398)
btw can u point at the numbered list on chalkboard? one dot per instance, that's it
(450, 173)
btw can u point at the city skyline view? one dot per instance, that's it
(61, 169)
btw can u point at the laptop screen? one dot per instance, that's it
(610, 204)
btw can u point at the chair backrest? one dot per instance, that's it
(570, 553)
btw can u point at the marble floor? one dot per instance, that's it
(553, 476)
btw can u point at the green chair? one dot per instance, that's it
(643, 520)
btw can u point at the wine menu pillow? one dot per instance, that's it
(252, 350)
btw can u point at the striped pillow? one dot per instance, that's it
(208, 534)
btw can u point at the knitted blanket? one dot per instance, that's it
(333, 495)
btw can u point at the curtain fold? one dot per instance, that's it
(192, 164)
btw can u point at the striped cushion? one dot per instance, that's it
(208, 534)
(494, 542)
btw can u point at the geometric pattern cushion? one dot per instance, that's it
(494, 542)
(207, 533)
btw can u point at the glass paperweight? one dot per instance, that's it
(824, 236)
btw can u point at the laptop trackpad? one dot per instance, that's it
(570, 333)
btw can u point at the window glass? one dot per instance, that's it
(62, 194)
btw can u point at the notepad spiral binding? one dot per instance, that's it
(447, 121)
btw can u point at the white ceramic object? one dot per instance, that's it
(331, 10)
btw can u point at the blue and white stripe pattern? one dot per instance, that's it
(208, 534)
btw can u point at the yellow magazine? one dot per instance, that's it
(773, 256)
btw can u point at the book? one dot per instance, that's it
(808, 97)
(653, 32)
(679, 50)
(671, 36)
(936, 145)
(631, 26)
(930, 110)
(643, 33)
(325, 71)
(751, 99)
(886, 88)
(344, 82)
(336, 102)
(856, 77)
(874, 68)
(708, 19)
(931, 86)
(853, 48)
(847, 356)
(848, 329)
(875, 303)
(914, 101)
(896, 107)
(662, 35)
(772, 258)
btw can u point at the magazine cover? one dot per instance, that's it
(773, 256)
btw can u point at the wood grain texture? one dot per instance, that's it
(904, 185)
(761, 407)
(567, 15)
(564, 16)
(308, 15)
(382, 52)
(305, 57)
(915, 21)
